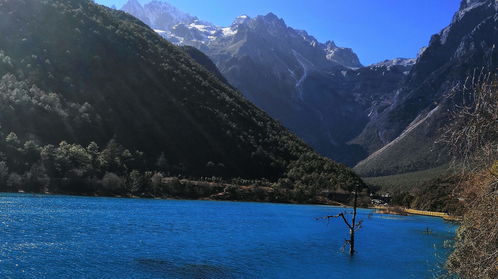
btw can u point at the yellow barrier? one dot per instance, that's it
(431, 213)
(443, 215)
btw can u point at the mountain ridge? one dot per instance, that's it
(467, 45)
(202, 32)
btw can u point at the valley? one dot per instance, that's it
(363, 116)
(251, 123)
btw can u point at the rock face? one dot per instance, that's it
(405, 131)
(343, 56)
(286, 72)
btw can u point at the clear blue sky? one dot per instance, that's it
(375, 29)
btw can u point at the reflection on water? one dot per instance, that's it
(81, 237)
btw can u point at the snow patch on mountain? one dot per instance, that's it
(241, 20)
(467, 6)
(396, 62)
(228, 31)
(181, 28)
(160, 32)
(306, 65)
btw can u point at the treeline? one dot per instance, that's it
(69, 168)
(75, 169)
(113, 170)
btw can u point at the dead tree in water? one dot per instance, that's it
(353, 226)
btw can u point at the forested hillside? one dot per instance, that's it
(88, 91)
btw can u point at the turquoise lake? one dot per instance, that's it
(80, 237)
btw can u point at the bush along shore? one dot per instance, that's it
(116, 171)
(155, 185)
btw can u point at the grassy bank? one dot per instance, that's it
(431, 190)
(192, 189)
(407, 181)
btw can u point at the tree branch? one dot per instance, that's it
(328, 217)
(346, 221)
(336, 216)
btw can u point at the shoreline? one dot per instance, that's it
(322, 202)
(386, 210)
(408, 211)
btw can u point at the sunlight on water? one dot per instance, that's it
(78, 237)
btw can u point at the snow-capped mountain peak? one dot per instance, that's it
(242, 19)
(134, 8)
(157, 14)
(165, 16)
(133, 4)
(183, 29)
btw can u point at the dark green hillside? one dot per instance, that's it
(203, 60)
(78, 72)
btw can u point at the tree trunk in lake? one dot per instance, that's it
(351, 242)
(354, 225)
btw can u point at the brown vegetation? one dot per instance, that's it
(473, 138)
(476, 250)
(472, 132)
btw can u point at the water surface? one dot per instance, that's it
(81, 237)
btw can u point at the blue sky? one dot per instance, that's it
(375, 29)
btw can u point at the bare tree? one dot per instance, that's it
(353, 225)
(472, 130)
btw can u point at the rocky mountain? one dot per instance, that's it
(76, 72)
(402, 136)
(390, 111)
(374, 87)
(407, 63)
(183, 29)
(288, 74)
(159, 14)
(340, 55)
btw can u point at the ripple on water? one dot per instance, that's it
(103, 238)
(170, 269)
